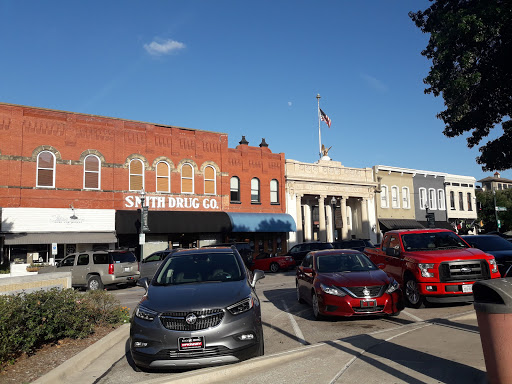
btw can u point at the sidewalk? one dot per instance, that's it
(442, 351)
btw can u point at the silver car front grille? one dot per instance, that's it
(176, 321)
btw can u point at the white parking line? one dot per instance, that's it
(412, 316)
(296, 329)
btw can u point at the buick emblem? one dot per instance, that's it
(191, 318)
(366, 291)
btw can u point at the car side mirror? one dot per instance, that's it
(381, 266)
(144, 283)
(392, 252)
(257, 275)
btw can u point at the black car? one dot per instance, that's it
(497, 246)
(357, 244)
(200, 309)
(299, 251)
(244, 249)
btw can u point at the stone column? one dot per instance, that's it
(343, 208)
(300, 234)
(321, 219)
(330, 229)
(364, 217)
(308, 235)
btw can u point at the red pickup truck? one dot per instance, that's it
(435, 265)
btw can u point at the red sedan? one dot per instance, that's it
(273, 263)
(344, 282)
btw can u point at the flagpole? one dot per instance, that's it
(319, 132)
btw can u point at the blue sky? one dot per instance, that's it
(249, 68)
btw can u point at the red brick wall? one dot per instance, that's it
(24, 131)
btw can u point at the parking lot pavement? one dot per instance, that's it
(290, 326)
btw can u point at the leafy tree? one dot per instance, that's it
(470, 47)
(487, 213)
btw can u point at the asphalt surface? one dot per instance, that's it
(430, 345)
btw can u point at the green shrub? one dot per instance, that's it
(28, 321)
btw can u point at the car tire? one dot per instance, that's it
(274, 267)
(299, 298)
(412, 295)
(94, 283)
(316, 310)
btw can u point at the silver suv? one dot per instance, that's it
(200, 309)
(95, 269)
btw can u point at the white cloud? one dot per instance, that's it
(289, 103)
(163, 47)
(374, 83)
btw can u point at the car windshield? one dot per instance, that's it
(344, 262)
(431, 241)
(489, 243)
(199, 268)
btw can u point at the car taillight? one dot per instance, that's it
(111, 269)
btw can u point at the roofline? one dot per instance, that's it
(108, 117)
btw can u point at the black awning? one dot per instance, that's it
(439, 224)
(128, 222)
(390, 224)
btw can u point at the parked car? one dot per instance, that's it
(299, 251)
(200, 309)
(272, 262)
(244, 249)
(497, 246)
(433, 265)
(357, 244)
(346, 283)
(150, 264)
(96, 269)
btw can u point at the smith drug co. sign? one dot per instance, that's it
(201, 203)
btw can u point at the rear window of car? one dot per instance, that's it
(123, 257)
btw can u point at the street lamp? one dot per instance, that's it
(143, 222)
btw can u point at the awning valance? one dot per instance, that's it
(128, 222)
(261, 222)
(390, 224)
(60, 238)
(439, 224)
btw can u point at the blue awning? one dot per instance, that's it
(261, 222)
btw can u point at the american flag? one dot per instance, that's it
(325, 118)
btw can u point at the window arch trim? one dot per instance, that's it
(89, 174)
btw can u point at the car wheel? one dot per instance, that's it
(94, 283)
(316, 308)
(413, 298)
(274, 267)
(299, 298)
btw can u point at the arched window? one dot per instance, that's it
(209, 181)
(163, 177)
(136, 175)
(395, 198)
(274, 191)
(234, 187)
(441, 202)
(432, 200)
(423, 198)
(384, 198)
(406, 203)
(45, 169)
(255, 190)
(92, 171)
(187, 178)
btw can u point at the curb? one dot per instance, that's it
(83, 359)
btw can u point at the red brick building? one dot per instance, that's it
(74, 181)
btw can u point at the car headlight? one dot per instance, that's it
(241, 306)
(393, 286)
(332, 290)
(424, 269)
(144, 313)
(493, 265)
